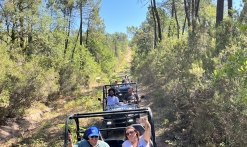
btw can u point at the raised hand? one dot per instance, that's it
(70, 137)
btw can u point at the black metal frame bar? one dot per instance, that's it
(76, 117)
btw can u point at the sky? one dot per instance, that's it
(118, 14)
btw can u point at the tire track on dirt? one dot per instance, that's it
(147, 101)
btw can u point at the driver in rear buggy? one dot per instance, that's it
(131, 96)
(91, 139)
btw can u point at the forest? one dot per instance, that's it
(45, 55)
(192, 54)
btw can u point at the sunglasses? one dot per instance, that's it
(131, 132)
(94, 136)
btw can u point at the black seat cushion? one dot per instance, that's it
(114, 143)
(85, 135)
(139, 128)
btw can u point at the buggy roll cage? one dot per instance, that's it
(124, 77)
(76, 117)
(107, 87)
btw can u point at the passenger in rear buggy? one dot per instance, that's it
(111, 98)
(93, 135)
(124, 81)
(114, 84)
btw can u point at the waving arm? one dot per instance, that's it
(147, 133)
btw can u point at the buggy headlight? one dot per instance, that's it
(108, 123)
(120, 94)
(130, 120)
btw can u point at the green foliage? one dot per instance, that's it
(24, 82)
(36, 66)
(201, 78)
(102, 55)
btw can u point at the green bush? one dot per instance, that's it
(203, 78)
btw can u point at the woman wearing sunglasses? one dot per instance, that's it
(133, 138)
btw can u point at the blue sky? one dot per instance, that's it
(118, 14)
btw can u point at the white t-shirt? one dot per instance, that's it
(112, 100)
(141, 143)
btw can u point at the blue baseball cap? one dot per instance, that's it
(93, 131)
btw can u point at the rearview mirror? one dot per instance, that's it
(99, 99)
(142, 97)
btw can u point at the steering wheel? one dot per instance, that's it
(135, 101)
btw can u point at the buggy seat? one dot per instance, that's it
(141, 130)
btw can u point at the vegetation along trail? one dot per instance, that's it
(188, 57)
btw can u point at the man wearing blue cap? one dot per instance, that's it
(93, 139)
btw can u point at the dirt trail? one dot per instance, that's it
(25, 128)
(129, 55)
(19, 127)
(146, 102)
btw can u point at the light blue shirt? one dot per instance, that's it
(85, 143)
(112, 100)
(141, 143)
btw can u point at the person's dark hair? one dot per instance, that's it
(112, 89)
(131, 88)
(131, 127)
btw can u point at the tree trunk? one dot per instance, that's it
(184, 25)
(67, 38)
(170, 31)
(73, 51)
(187, 13)
(155, 29)
(197, 8)
(80, 30)
(87, 32)
(158, 21)
(175, 12)
(219, 12)
(193, 16)
(230, 8)
(21, 21)
(242, 17)
(7, 24)
(13, 33)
